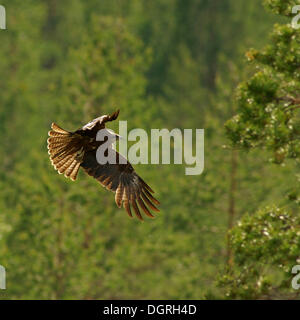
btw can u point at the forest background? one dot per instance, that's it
(164, 64)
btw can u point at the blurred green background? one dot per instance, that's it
(164, 64)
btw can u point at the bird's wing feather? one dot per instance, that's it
(130, 189)
(66, 151)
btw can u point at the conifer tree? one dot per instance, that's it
(266, 244)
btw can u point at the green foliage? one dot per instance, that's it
(268, 103)
(165, 64)
(105, 70)
(266, 246)
(283, 7)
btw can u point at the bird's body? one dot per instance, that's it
(71, 150)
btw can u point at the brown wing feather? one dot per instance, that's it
(66, 151)
(130, 189)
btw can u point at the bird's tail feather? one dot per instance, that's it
(65, 150)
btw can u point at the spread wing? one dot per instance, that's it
(66, 150)
(129, 188)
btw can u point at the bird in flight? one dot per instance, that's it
(71, 150)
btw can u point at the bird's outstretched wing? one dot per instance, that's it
(66, 150)
(129, 188)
